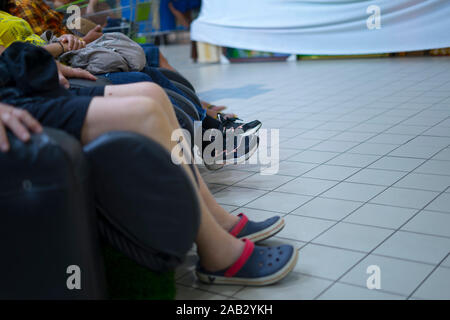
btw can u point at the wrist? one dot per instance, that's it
(62, 47)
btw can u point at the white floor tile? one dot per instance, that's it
(236, 196)
(227, 177)
(326, 262)
(424, 182)
(264, 182)
(328, 172)
(441, 203)
(381, 216)
(293, 287)
(303, 228)
(407, 198)
(341, 291)
(430, 222)
(333, 209)
(279, 202)
(353, 160)
(396, 276)
(307, 186)
(376, 176)
(435, 167)
(190, 293)
(353, 191)
(436, 287)
(293, 168)
(416, 247)
(373, 148)
(347, 123)
(313, 156)
(396, 163)
(353, 237)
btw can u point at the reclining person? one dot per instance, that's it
(42, 17)
(29, 81)
(225, 125)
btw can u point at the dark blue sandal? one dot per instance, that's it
(257, 231)
(257, 266)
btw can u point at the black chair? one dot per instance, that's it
(54, 198)
(176, 77)
(185, 110)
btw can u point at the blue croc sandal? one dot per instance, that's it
(257, 231)
(257, 266)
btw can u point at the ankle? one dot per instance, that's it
(224, 257)
(229, 223)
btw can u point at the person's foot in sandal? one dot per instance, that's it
(257, 231)
(213, 111)
(257, 266)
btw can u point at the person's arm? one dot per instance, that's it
(91, 6)
(67, 42)
(73, 42)
(56, 49)
(20, 122)
(65, 72)
(93, 34)
(2, 48)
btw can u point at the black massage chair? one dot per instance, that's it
(57, 199)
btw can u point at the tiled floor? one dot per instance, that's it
(364, 173)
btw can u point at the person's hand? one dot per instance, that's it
(65, 72)
(20, 122)
(71, 42)
(93, 34)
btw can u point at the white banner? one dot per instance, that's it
(325, 27)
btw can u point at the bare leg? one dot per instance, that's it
(163, 63)
(151, 90)
(216, 247)
(179, 16)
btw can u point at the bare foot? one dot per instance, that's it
(93, 35)
(224, 257)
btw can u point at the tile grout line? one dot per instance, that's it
(381, 243)
(428, 275)
(341, 182)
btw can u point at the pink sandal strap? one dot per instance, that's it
(240, 225)
(240, 262)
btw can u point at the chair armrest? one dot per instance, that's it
(83, 83)
(176, 77)
(47, 220)
(148, 206)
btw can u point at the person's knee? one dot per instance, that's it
(146, 107)
(149, 112)
(152, 90)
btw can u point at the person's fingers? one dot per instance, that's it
(80, 73)
(26, 118)
(63, 81)
(74, 44)
(15, 126)
(4, 144)
(70, 42)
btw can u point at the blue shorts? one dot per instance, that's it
(167, 18)
(152, 54)
(149, 75)
(186, 5)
